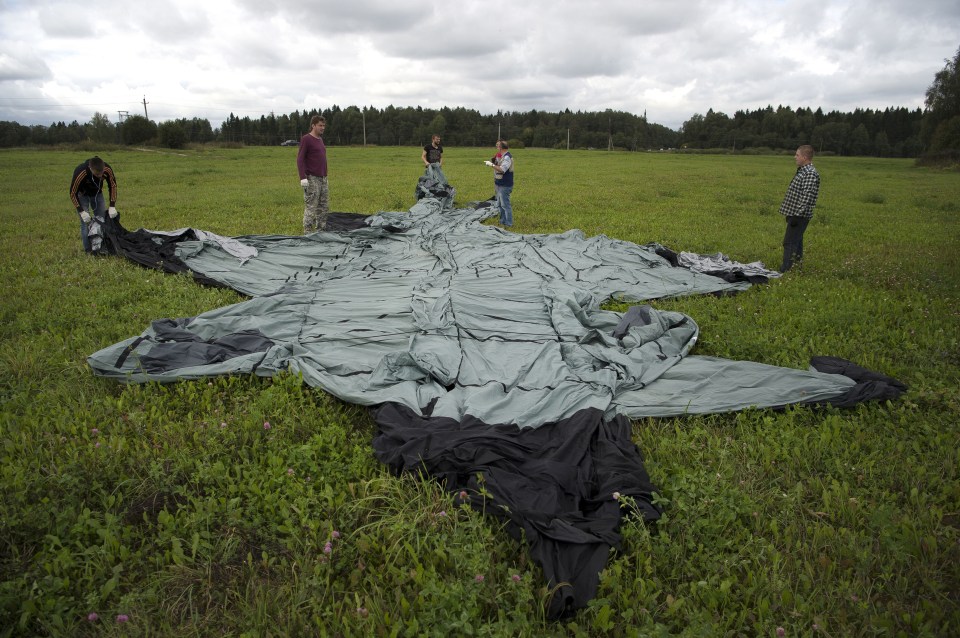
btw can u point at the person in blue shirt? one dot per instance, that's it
(503, 183)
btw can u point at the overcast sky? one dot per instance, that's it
(670, 59)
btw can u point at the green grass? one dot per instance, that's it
(178, 507)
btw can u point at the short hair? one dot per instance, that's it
(96, 164)
(806, 150)
(317, 119)
(504, 145)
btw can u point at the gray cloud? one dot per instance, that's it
(671, 59)
(19, 65)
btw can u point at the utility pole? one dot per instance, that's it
(145, 107)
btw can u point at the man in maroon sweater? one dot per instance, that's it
(312, 165)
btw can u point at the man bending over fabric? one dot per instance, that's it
(86, 193)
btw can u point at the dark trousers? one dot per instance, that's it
(793, 241)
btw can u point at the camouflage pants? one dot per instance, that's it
(316, 204)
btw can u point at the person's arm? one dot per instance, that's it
(423, 156)
(809, 190)
(302, 158)
(111, 184)
(78, 176)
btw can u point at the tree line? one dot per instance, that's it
(352, 126)
(893, 132)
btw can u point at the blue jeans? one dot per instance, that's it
(793, 241)
(96, 204)
(503, 204)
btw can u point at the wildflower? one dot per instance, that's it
(266, 425)
(122, 618)
(223, 424)
(463, 495)
(781, 632)
(516, 578)
(289, 471)
(478, 578)
(442, 513)
(815, 627)
(335, 534)
(95, 431)
(93, 616)
(97, 444)
(362, 612)
(327, 548)
(616, 496)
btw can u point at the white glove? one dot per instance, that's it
(304, 183)
(113, 212)
(489, 163)
(85, 216)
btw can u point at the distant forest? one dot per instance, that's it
(893, 132)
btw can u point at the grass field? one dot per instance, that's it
(252, 507)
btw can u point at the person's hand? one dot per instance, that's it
(113, 212)
(85, 216)
(304, 183)
(489, 163)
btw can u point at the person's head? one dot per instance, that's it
(502, 145)
(317, 124)
(804, 155)
(96, 166)
(436, 140)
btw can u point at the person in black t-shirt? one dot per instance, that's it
(433, 152)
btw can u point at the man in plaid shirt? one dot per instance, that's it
(798, 205)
